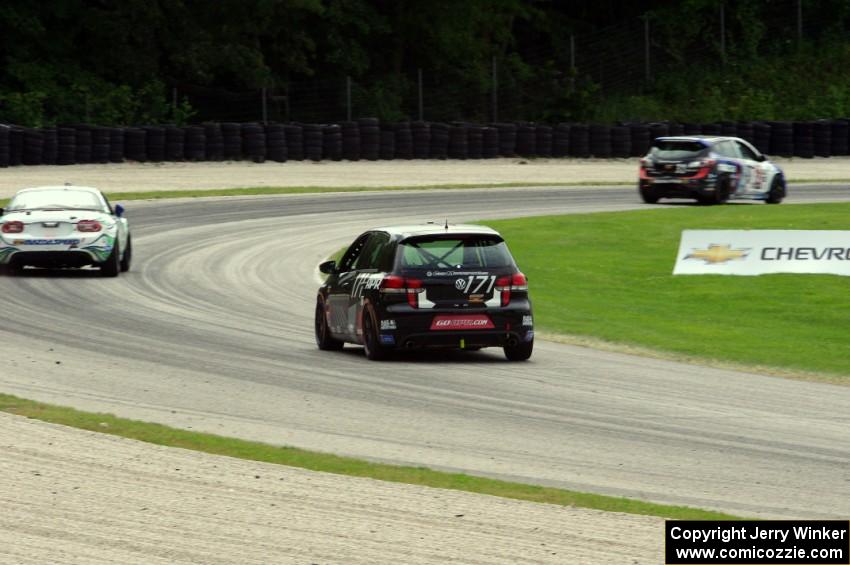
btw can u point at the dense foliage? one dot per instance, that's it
(134, 61)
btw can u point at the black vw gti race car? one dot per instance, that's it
(425, 286)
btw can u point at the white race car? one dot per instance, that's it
(64, 226)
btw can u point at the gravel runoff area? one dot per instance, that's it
(239, 174)
(72, 496)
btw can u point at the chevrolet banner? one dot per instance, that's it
(760, 252)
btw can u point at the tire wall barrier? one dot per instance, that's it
(371, 139)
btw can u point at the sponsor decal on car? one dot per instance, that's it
(388, 325)
(462, 322)
(527, 321)
(46, 242)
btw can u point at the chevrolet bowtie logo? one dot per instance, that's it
(717, 254)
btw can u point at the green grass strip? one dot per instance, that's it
(328, 463)
(270, 190)
(609, 276)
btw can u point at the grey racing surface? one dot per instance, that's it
(212, 330)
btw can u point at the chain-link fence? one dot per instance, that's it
(542, 82)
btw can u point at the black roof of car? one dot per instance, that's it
(433, 228)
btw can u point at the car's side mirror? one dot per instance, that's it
(2, 211)
(119, 210)
(328, 267)
(761, 158)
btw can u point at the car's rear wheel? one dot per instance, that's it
(649, 195)
(776, 193)
(112, 266)
(323, 333)
(520, 351)
(371, 341)
(127, 258)
(721, 194)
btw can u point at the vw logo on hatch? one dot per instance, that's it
(460, 284)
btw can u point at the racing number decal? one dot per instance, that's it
(466, 285)
(759, 178)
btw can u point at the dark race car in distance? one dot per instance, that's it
(425, 286)
(711, 170)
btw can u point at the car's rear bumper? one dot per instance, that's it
(678, 187)
(406, 328)
(50, 259)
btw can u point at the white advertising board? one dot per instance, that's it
(760, 252)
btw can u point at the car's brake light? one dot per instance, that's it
(13, 227)
(89, 226)
(394, 284)
(514, 283)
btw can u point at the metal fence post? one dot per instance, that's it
(419, 92)
(572, 62)
(722, 33)
(348, 98)
(495, 90)
(648, 76)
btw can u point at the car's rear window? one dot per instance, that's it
(454, 252)
(59, 199)
(676, 150)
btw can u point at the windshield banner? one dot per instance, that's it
(760, 252)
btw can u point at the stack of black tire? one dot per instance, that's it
(561, 140)
(33, 153)
(403, 140)
(840, 141)
(543, 139)
(386, 149)
(195, 143)
(254, 142)
(135, 144)
(439, 148)
(332, 142)
(4, 146)
(781, 139)
(804, 140)
(526, 140)
(50, 152)
(370, 138)
(421, 133)
(489, 142)
(579, 140)
(350, 141)
(154, 143)
(231, 137)
(621, 141)
(822, 138)
(175, 143)
(600, 140)
(294, 142)
(507, 139)
(116, 145)
(82, 134)
(276, 146)
(215, 141)
(458, 147)
(475, 141)
(313, 141)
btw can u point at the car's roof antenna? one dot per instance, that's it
(447, 223)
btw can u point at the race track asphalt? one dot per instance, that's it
(212, 330)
